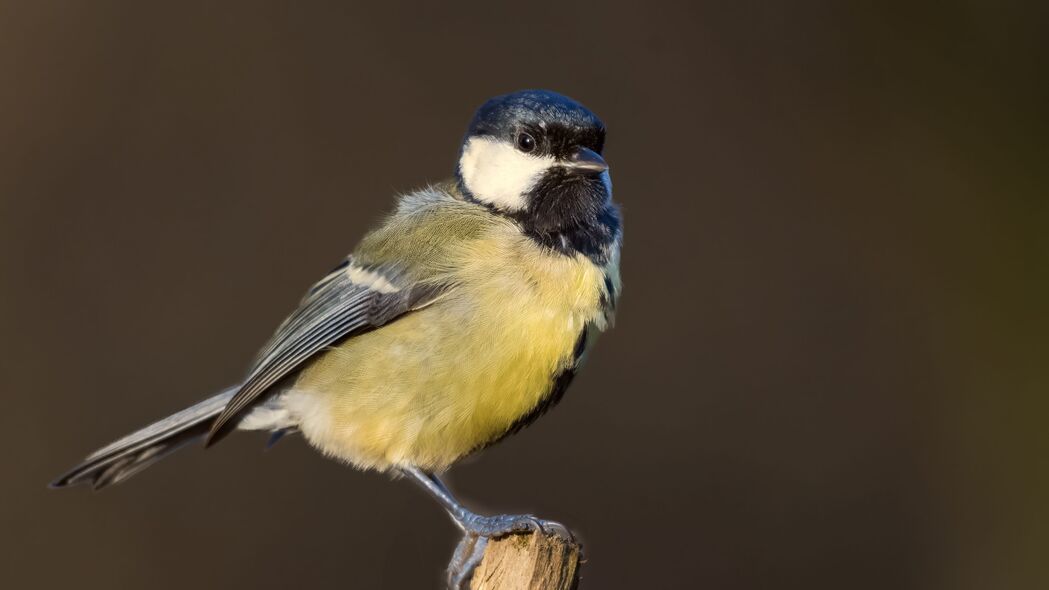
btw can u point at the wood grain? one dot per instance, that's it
(537, 561)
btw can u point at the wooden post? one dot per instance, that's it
(536, 561)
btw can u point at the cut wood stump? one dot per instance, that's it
(536, 561)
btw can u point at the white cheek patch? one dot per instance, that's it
(498, 174)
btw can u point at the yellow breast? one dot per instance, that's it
(442, 381)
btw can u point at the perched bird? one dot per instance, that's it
(455, 323)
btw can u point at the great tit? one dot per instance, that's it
(458, 321)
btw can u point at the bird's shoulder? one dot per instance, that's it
(417, 239)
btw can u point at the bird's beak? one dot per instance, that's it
(587, 160)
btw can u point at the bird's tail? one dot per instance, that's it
(120, 460)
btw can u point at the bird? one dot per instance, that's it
(459, 320)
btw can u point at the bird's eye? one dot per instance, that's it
(525, 142)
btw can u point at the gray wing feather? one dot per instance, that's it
(334, 309)
(317, 301)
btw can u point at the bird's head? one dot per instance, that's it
(536, 155)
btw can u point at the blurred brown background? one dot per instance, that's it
(829, 368)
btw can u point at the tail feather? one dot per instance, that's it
(120, 460)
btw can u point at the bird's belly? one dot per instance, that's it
(438, 383)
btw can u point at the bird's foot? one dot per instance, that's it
(478, 530)
(468, 555)
(501, 525)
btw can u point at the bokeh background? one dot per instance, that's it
(830, 363)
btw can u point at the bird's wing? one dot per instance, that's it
(352, 299)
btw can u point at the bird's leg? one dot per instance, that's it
(475, 524)
(477, 529)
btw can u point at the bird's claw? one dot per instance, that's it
(468, 555)
(478, 530)
(501, 525)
